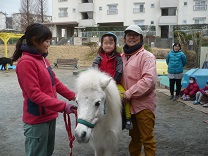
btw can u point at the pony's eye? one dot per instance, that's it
(97, 104)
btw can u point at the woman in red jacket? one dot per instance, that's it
(39, 86)
(191, 89)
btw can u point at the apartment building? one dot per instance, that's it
(71, 17)
(2, 21)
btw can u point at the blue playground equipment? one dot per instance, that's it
(200, 74)
(162, 67)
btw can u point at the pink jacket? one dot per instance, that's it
(139, 80)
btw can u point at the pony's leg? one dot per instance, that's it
(111, 144)
(99, 152)
(109, 152)
(4, 66)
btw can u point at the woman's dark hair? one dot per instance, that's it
(177, 44)
(112, 37)
(37, 32)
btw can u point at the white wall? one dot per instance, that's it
(187, 12)
(70, 4)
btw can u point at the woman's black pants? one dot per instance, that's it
(178, 86)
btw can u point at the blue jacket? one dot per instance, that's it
(175, 61)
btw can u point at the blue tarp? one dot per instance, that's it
(10, 67)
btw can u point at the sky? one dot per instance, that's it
(12, 6)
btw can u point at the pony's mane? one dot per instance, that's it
(90, 78)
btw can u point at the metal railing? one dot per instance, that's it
(138, 10)
(112, 12)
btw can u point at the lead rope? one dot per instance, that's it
(67, 121)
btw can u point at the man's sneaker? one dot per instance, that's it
(128, 124)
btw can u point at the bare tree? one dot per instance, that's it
(27, 13)
(41, 10)
(31, 11)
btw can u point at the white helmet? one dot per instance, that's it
(134, 28)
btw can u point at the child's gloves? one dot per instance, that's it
(184, 97)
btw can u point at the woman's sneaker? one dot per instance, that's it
(171, 97)
(176, 98)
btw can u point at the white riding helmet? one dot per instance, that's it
(134, 28)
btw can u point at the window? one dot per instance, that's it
(199, 20)
(139, 22)
(112, 9)
(151, 22)
(62, 0)
(152, 5)
(138, 8)
(184, 22)
(200, 6)
(74, 10)
(100, 8)
(169, 12)
(185, 3)
(63, 12)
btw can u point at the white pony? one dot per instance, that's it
(99, 112)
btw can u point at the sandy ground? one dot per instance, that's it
(180, 128)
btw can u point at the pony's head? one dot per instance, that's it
(91, 100)
(11, 62)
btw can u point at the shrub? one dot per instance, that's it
(147, 47)
(191, 59)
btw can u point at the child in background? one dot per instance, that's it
(199, 94)
(109, 61)
(191, 89)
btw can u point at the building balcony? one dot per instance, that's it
(63, 14)
(167, 20)
(85, 7)
(86, 22)
(200, 7)
(112, 12)
(138, 10)
(167, 4)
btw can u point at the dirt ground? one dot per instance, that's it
(180, 130)
(85, 54)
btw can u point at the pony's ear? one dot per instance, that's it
(104, 82)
